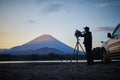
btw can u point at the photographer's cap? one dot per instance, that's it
(86, 28)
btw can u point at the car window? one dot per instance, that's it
(117, 32)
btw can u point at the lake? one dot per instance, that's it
(46, 61)
(51, 61)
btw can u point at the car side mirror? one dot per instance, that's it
(102, 41)
(109, 35)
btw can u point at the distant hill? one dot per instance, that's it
(47, 50)
(42, 45)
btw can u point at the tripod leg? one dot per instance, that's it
(72, 57)
(82, 48)
(77, 52)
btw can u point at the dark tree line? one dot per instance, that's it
(50, 56)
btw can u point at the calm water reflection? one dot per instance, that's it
(51, 61)
(48, 61)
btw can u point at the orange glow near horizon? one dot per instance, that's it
(13, 40)
(8, 42)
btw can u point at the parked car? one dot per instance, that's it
(111, 48)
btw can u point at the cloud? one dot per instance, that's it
(31, 21)
(109, 3)
(103, 5)
(53, 8)
(104, 28)
(49, 6)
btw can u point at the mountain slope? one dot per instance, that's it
(47, 50)
(44, 41)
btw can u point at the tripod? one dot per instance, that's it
(76, 50)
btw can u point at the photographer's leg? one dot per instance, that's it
(89, 55)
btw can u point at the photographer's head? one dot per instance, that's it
(86, 29)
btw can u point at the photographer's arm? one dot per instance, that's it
(82, 35)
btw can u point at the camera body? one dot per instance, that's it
(77, 33)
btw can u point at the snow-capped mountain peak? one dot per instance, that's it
(41, 39)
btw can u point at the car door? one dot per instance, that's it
(114, 43)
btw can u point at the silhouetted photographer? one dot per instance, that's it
(87, 43)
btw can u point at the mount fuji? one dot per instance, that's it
(44, 44)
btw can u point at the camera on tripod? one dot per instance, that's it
(77, 33)
(76, 51)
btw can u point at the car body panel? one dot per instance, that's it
(112, 46)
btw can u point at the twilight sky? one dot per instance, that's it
(24, 20)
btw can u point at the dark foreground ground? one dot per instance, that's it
(60, 71)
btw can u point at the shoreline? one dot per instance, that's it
(46, 61)
(51, 61)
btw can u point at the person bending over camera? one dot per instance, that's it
(88, 44)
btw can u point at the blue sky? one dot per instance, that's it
(24, 20)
